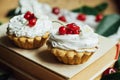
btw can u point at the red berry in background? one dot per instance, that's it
(32, 22)
(27, 15)
(56, 10)
(62, 18)
(62, 30)
(81, 17)
(109, 71)
(99, 17)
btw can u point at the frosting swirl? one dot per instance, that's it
(18, 26)
(87, 40)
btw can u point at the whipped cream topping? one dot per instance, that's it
(87, 40)
(18, 27)
(41, 8)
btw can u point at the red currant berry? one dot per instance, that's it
(81, 17)
(32, 22)
(56, 10)
(109, 71)
(69, 31)
(73, 26)
(99, 17)
(62, 30)
(77, 28)
(76, 32)
(27, 15)
(62, 18)
(32, 16)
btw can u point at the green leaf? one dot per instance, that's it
(0, 23)
(92, 10)
(4, 75)
(117, 64)
(113, 76)
(101, 7)
(1, 73)
(86, 10)
(11, 13)
(108, 25)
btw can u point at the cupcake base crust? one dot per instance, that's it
(70, 56)
(29, 43)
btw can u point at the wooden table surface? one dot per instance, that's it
(6, 5)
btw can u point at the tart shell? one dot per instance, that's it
(70, 56)
(29, 43)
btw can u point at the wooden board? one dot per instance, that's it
(47, 62)
(35, 70)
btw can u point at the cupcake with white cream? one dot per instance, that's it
(28, 31)
(73, 44)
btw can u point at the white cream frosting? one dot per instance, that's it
(18, 26)
(87, 40)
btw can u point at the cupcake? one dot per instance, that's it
(28, 31)
(73, 44)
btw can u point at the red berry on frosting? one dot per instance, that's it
(76, 32)
(69, 31)
(32, 22)
(99, 17)
(109, 71)
(74, 28)
(71, 28)
(27, 15)
(56, 10)
(77, 28)
(32, 16)
(62, 18)
(62, 30)
(71, 25)
(81, 17)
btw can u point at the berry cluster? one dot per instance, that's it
(71, 28)
(31, 18)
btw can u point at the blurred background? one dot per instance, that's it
(6, 5)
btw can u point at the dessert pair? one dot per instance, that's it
(71, 44)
